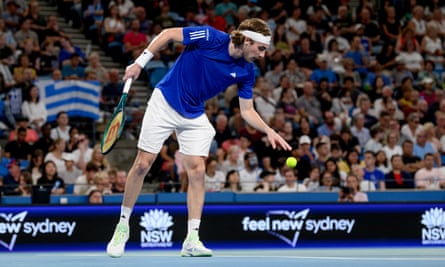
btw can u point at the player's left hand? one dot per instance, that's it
(276, 140)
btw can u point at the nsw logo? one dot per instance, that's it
(433, 231)
(10, 226)
(156, 233)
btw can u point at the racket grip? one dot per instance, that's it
(127, 85)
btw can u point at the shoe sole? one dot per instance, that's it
(186, 254)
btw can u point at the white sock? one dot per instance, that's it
(125, 215)
(193, 226)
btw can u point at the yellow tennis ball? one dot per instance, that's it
(291, 162)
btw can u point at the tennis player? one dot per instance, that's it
(211, 61)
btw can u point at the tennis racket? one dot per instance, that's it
(117, 122)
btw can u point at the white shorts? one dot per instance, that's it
(160, 120)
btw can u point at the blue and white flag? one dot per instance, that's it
(77, 98)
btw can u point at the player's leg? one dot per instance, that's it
(154, 131)
(133, 186)
(195, 167)
(194, 144)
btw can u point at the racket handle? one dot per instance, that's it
(127, 85)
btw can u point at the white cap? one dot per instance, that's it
(427, 80)
(68, 156)
(304, 139)
(322, 57)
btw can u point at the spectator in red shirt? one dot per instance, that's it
(134, 41)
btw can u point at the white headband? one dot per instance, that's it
(257, 37)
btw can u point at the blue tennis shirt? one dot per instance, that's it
(203, 70)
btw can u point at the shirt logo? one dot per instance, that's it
(233, 74)
(198, 35)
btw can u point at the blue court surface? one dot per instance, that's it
(406, 257)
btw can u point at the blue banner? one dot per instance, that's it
(70, 228)
(77, 98)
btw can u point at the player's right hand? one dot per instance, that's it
(132, 71)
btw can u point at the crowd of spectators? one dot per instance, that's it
(356, 87)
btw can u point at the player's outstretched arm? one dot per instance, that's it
(253, 118)
(167, 35)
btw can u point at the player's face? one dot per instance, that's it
(255, 50)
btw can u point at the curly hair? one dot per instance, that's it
(254, 24)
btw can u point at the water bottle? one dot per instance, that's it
(56, 185)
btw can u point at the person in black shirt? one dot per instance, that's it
(19, 148)
(50, 179)
(397, 178)
(411, 163)
(45, 141)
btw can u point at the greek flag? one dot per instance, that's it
(77, 98)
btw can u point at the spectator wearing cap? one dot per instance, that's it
(71, 172)
(19, 148)
(305, 146)
(428, 71)
(364, 40)
(427, 92)
(372, 29)
(11, 181)
(73, 70)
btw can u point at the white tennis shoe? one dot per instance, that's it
(116, 247)
(192, 247)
